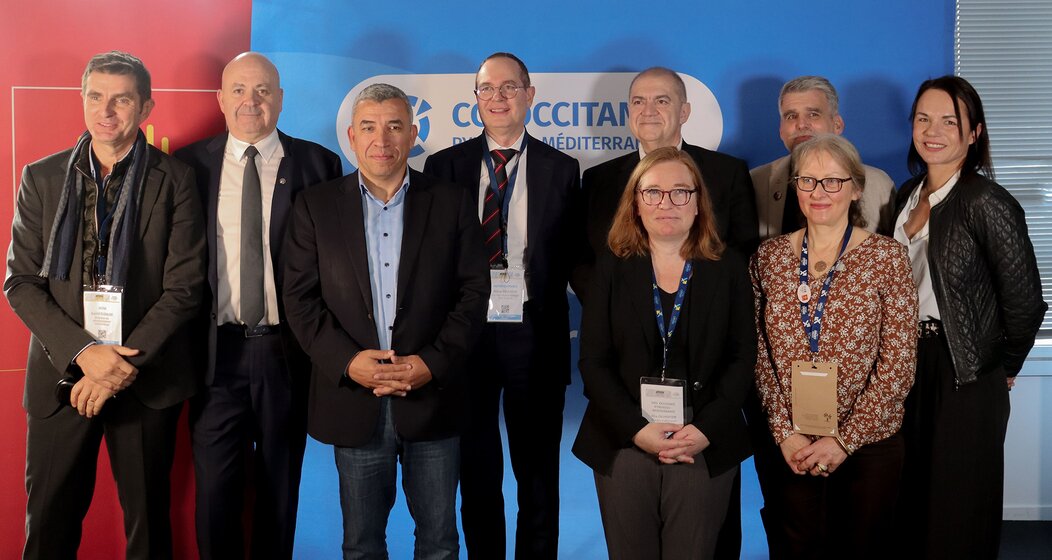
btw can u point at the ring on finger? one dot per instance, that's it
(822, 467)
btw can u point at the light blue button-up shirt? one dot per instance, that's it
(383, 243)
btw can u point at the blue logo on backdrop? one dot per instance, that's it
(423, 123)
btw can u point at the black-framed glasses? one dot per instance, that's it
(507, 91)
(831, 185)
(653, 197)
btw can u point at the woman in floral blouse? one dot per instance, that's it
(833, 302)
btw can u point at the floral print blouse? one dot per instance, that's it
(869, 330)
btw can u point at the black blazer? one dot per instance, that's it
(443, 292)
(164, 292)
(304, 163)
(726, 178)
(620, 343)
(554, 235)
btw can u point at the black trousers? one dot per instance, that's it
(505, 365)
(846, 515)
(653, 511)
(62, 453)
(248, 431)
(954, 478)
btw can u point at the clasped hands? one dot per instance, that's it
(804, 456)
(681, 446)
(106, 371)
(388, 374)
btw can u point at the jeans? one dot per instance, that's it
(367, 492)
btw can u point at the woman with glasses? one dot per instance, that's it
(667, 353)
(980, 309)
(835, 320)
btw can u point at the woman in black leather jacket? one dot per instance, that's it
(980, 310)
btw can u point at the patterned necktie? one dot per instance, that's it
(493, 219)
(252, 305)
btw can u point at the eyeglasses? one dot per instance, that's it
(507, 91)
(653, 197)
(831, 185)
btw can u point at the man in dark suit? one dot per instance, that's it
(657, 109)
(253, 407)
(386, 288)
(524, 353)
(106, 269)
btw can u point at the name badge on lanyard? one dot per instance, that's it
(814, 382)
(507, 294)
(662, 399)
(102, 313)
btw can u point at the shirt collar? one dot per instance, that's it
(492, 144)
(937, 196)
(395, 200)
(643, 153)
(268, 147)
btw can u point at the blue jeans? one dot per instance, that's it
(367, 492)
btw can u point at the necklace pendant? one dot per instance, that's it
(820, 266)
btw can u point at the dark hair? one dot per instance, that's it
(627, 235)
(844, 153)
(121, 64)
(524, 74)
(964, 96)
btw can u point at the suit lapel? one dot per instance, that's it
(539, 172)
(352, 223)
(640, 281)
(280, 204)
(414, 220)
(468, 167)
(150, 191)
(210, 197)
(700, 304)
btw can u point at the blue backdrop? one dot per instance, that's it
(875, 53)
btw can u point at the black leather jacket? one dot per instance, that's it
(984, 275)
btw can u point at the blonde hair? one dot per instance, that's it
(627, 235)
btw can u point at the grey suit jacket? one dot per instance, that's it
(166, 281)
(771, 181)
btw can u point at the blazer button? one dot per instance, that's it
(777, 195)
(697, 385)
(370, 316)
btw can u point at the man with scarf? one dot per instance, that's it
(106, 268)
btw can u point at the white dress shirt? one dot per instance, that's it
(918, 247)
(517, 206)
(228, 226)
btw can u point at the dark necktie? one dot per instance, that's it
(252, 305)
(493, 220)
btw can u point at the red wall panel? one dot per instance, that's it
(45, 46)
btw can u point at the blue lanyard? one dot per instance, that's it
(503, 198)
(666, 334)
(814, 329)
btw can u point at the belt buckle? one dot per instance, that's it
(256, 331)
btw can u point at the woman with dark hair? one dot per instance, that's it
(667, 353)
(835, 314)
(980, 309)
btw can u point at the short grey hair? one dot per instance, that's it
(383, 92)
(811, 83)
(677, 80)
(121, 64)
